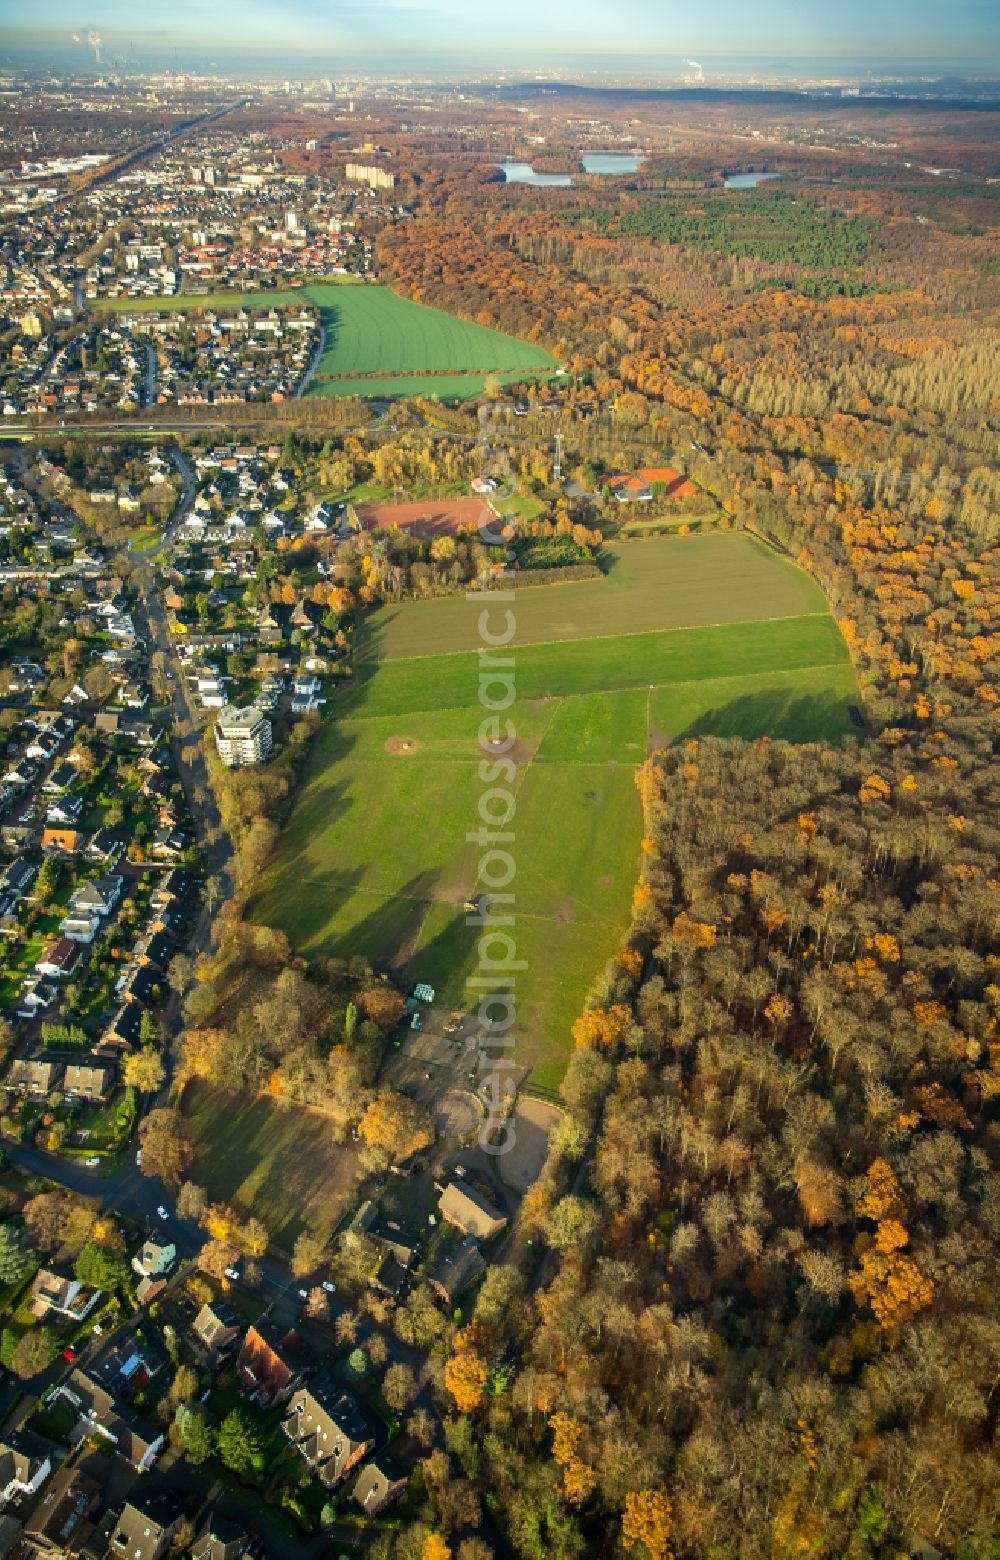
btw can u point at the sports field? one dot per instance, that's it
(375, 858)
(378, 344)
(430, 516)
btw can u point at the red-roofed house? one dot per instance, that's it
(638, 488)
(269, 1364)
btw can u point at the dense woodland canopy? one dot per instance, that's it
(768, 1323)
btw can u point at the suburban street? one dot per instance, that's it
(126, 1190)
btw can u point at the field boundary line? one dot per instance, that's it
(634, 633)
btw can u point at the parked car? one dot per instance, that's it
(92, 1162)
(162, 1213)
(331, 1289)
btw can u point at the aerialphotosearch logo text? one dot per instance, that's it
(494, 984)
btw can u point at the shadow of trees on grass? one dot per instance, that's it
(781, 713)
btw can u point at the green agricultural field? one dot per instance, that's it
(672, 582)
(380, 344)
(375, 858)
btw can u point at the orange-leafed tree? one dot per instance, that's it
(465, 1376)
(600, 1028)
(646, 1521)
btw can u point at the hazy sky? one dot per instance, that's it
(864, 29)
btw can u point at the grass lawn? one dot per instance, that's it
(375, 858)
(378, 343)
(281, 1165)
(668, 582)
(524, 505)
(428, 683)
(145, 538)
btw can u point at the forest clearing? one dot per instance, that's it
(374, 859)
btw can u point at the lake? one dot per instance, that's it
(748, 181)
(612, 162)
(593, 162)
(524, 173)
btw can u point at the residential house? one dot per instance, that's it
(58, 1294)
(640, 487)
(467, 1210)
(168, 844)
(273, 623)
(65, 811)
(127, 1367)
(106, 845)
(19, 877)
(389, 1278)
(269, 1366)
(62, 778)
(55, 838)
(132, 1438)
(62, 1522)
(328, 1431)
(80, 927)
(44, 745)
(36, 1078)
(216, 1327)
(25, 834)
(159, 950)
(125, 1028)
(99, 897)
(26, 1460)
(93, 1079)
(175, 884)
(379, 1483)
(22, 774)
(155, 1259)
(58, 958)
(222, 1539)
(452, 1277)
(143, 985)
(145, 1528)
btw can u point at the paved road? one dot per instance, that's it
(312, 366)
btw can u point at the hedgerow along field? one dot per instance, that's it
(375, 859)
(379, 344)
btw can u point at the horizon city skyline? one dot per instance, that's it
(650, 36)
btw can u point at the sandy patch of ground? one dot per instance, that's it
(399, 747)
(532, 1122)
(518, 752)
(457, 1114)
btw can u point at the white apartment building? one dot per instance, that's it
(243, 736)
